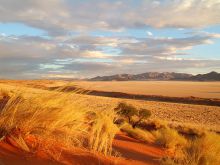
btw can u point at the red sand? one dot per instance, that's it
(132, 151)
(137, 152)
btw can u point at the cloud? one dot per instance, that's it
(68, 47)
(149, 33)
(164, 46)
(59, 17)
(86, 56)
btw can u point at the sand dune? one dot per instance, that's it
(133, 152)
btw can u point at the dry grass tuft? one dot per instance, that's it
(138, 133)
(4, 97)
(153, 124)
(59, 118)
(103, 132)
(204, 150)
(169, 138)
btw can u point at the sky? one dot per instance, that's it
(86, 38)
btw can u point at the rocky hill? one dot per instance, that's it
(212, 76)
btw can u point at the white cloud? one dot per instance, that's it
(95, 54)
(149, 33)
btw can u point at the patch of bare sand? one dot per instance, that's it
(136, 152)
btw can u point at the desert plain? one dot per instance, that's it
(155, 141)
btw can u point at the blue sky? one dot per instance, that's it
(52, 39)
(19, 29)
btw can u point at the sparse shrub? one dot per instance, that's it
(126, 110)
(142, 114)
(129, 111)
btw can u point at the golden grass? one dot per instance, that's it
(201, 151)
(138, 133)
(103, 132)
(58, 117)
(169, 138)
(184, 129)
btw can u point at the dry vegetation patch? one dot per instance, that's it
(200, 151)
(138, 133)
(57, 118)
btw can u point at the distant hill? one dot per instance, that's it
(212, 76)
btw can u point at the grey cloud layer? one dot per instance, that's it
(61, 16)
(83, 55)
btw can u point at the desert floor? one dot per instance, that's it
(132, 150)
(204, 116)
(164, 88)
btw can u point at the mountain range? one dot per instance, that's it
(212, 76)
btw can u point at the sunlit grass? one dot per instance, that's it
(200, 151)
(169, 138)
(137, 133)
(57, 117)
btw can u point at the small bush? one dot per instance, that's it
(129, 111)
(126, 110)
(142, 114)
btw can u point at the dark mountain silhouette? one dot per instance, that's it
(212, 76)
